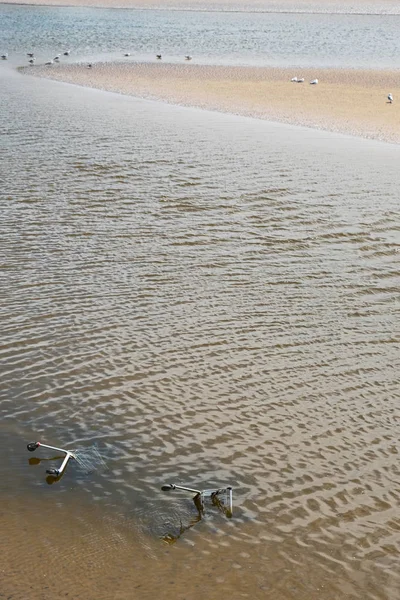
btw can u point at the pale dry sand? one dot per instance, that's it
(347, 101)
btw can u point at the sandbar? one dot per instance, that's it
(352, 102)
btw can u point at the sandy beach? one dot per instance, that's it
(352, 102)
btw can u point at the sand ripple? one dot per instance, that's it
(212, 300)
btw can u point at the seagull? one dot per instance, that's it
(89, 66)
(4, 56)
(56, 58)
(300, 80)
(67, 52)
(390, 98)
(49, 62)
(31, 54)
(294, 79)
(127, 54)
(32, 61)
(188, 57)
(159, 56)
(314, 82)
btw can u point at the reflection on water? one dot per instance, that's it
(220, 499)
(173, 536)
(213, 301)
(88, 460)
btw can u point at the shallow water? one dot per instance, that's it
(308, 40)
(211, 300)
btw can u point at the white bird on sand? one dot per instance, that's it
(67, 52)
(294, 79)
(300, 80)
(127, 54)
(390, 98)
(4, 56)
(314, 82)
(49, 62)
(188, 57)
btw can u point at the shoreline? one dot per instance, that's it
(351, 102)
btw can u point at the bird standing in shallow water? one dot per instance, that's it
(390, 98)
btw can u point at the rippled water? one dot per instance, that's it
(317, 40)
(211, 300)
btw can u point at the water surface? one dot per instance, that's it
(308, 40)
(211, 300)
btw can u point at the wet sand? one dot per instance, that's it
(351, 102)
